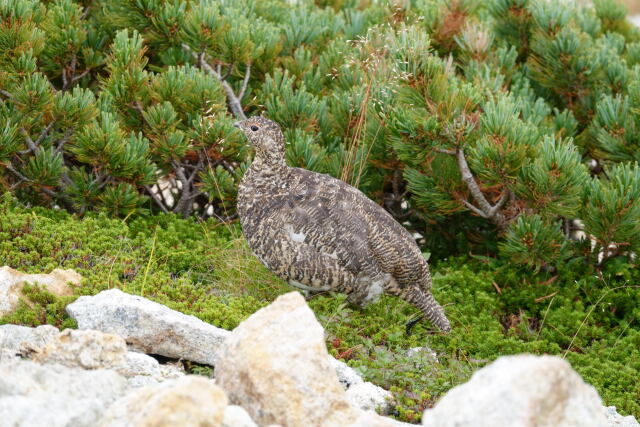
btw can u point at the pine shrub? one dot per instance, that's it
(484, 126)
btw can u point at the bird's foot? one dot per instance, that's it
(411, 324)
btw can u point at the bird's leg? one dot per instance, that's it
(411, 323)
(423, 300)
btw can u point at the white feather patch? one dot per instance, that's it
(376, 288)
(296, 237)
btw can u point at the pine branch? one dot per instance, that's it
(232, 99)
(138, 107)
(30, 144)
(103, 180)
(64, 140)
(485, 209)
(501, 202)
(45, 190)
(197, 168)
(474, 209)
(245, 82)
(66, 82)
(228, 73)
(81, 75)
(445, 151)
(5, 94)
(18, 174)
(34, 146)
(183, 206)
(155, 198)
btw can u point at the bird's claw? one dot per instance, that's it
(411, 324)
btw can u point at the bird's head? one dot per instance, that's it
(265, 135)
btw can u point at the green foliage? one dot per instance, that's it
(614, 211)
(575, 315)
(459, 117)
(204, 269)
(530, 241)
(195, 267)
(553, 182)
(472, 123)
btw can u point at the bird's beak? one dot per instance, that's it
(236, 125)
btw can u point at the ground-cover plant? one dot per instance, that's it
(192, 266)
(203, 268)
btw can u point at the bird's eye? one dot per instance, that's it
(254, 128)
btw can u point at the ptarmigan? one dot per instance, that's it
(319, 233)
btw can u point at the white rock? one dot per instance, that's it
(346, 375)
(90, 349)
(275, 365)
(371, 419)
(189, 401)
(142, 370)
(149, 327)
(141, 381)
(12, 281)
(16, 339)
(136, 364)
(5, 353)
(370, 397)
(84, 349)
(521, 390)
(236, 416)
(614, 419)
(54, 395)
(172, 370)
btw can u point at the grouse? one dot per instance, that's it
(319, 233)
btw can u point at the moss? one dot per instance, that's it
(199, 268)
(602, 342)
(206, 269)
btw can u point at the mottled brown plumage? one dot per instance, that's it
(319, 233)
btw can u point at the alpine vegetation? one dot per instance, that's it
(486, 127)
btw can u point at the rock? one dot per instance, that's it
(370, 397)
(172, 370)
(89, 349)
(54, 395)
(149, 327)
(236, 416)
(22, 340)
(139, 381)
(5, 353)
(371, 419)
(85, 349)
(523, 390)
(275, 365)
(191, 401)
(138, 364)
(614, 419)
(346, 375)
(12, 281)
(142, 370)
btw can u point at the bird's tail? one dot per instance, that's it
(423, 300)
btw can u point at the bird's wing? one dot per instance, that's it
(338, 219)
(320, 213)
